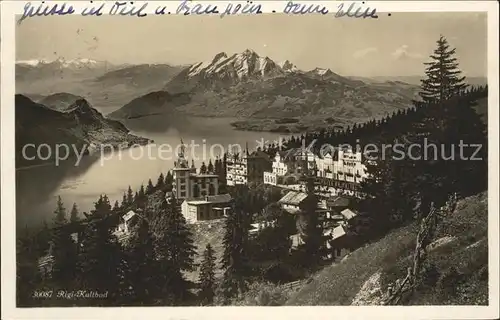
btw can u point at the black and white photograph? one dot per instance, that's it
(252, 160)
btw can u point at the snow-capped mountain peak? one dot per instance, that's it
(238, 66)
(32, 62)
(60, 62)
(322, 72)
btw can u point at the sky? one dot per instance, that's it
(389, 46)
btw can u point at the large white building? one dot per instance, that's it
(246, 167)
(197, 193)
(338, 172)
(187, 183)
(293, 162)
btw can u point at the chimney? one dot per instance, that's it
(206, 198)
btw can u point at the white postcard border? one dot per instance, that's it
(9, 311)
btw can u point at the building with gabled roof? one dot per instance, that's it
(348, 214)
(293, 201)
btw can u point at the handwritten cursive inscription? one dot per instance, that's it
(124, 8)
(356, 11)
(93, 11)
(185, 9)
(248, 8)
(300, 8)
(45, 10)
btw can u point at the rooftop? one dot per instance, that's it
(293, 197)
(221, 198)
(348, 214)
(338, 201)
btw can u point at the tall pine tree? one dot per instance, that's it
(100, 255)
(63, 248)
(236, 243)
(443, 78)
(130, 196)
(150, 187)
(175, 250)
(207, 276)
(311, 230)
(142, 265)
(74, 215)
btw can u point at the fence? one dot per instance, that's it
(292, 285)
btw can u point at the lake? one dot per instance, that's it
(37, 188)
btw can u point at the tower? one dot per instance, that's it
(181, 173)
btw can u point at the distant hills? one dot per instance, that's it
(151, 104)
(104, 85)
(415, 80)
(67, 119)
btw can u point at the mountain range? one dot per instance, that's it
(263, 92)
(260, 93)
(65, 119)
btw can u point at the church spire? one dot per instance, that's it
(183, 149)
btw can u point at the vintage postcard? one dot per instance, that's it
(194, 155)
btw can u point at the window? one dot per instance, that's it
(183, 187)
(183, 194)
(182, 180)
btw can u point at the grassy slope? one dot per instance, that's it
(468, 253)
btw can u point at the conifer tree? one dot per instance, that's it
(235, 241)
(160, 184)
(273, 241)
(203, 168)
(310, 228)
(62, 248)
(141, 197)
(210, 167)
(27, 272)
(175, 250)
(443, 78)
(149, 188)
(207, 276)
(60, 213)
(130, 196)
(74, 215)
(390, 190)
(124, 203)
(142, 265)
(116, 206)
(169, 179)
(100, 256)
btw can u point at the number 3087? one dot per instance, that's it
(42, 294)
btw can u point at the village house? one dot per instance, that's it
(337, 242)
(125, 225)
(293, 201)
(348, 215)
(206, 208)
